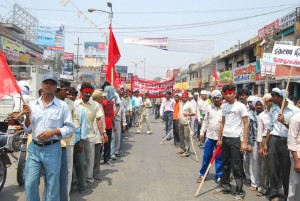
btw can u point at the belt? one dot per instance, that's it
(41, 144)
(279, 137)
(169, 111)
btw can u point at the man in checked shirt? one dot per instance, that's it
(211, 126)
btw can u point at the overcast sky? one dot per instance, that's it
(221, 20)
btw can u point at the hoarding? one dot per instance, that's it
(68, 56)
(268, 29)
(245, 74)
(50, 34)
(288, 20)
(94, 48)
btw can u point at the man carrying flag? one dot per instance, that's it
(211, 126)
(113, 57)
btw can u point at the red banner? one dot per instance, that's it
(155, 89)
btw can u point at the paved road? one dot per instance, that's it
(146, 171)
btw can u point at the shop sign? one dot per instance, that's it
(7, 43)
(225, 76)
(24, 58)
(267, 30)
(245, 74)
(182, 86)
(268, 66)
(288, 20)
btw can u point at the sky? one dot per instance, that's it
(224, 22)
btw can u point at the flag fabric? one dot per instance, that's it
(113, 57)
(8, 83)
(217, 152)
(215, 74)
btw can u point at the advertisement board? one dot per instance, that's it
(288, 20)
(50, 34)
(68, 67)
(268, 29)
(286, 55)
(94, 48)
(68, 56)
(245, 74)
(268, 66)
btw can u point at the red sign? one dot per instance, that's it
(268, 30)
(55, 48)
(68, 56)
(155, 89)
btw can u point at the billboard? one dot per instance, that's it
(122, 70)
(94, 48)
(68, 56)
(268, 29)
(51, 35)
(68, 67)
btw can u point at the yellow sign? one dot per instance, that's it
(24, 58)
(11, 44)
(182, 86)
(128, 86)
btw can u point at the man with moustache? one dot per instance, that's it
(211, 126)
(49, 120)
(276, 143)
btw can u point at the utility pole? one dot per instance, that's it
(77, 69)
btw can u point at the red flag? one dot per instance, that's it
(113, 57)
(217, 152)
(216, 76)
(8, 83)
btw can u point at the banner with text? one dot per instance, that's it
(267, 65)
(245, 74)
(286, 55)
(155, 89)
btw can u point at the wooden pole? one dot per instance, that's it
(112, 77)
(204, 177)
(165, 138)
(287, 87)
(192, 142)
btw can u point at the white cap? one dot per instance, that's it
(250, 98)
(204, 92)
(196, 94)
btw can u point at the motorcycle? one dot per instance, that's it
(4, 159)
(22, 160)
(14, 130)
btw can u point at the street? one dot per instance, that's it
(145, 171)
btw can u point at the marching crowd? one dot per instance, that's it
(259, 137)
(72, 131)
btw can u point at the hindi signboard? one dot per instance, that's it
(286, 55)
(268, 66)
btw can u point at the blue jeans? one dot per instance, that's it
(209, 148)
(168, 117)
(49, 159)
(64, 194)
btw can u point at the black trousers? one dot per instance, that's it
(107, 146)
(176, 132)
(279, 165)
(231, 158)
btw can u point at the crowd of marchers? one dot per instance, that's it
(259, 137)
(72, 131)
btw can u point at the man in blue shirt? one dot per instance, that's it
(49, 120)
(276, 143)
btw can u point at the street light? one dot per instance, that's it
(135, 65)
(103, 11)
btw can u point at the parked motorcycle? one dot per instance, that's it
(4, 159)
(22, 160)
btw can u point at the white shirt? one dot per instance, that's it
(234, 114)
(138, 101)
(263, 125)
(186, 107)
(203, 106)
(167, 105)
(293, 139)
(96, 129)
(211, 123)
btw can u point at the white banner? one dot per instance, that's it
(286, 55)
(267, 65)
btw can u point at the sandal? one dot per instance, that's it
(259, 194)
